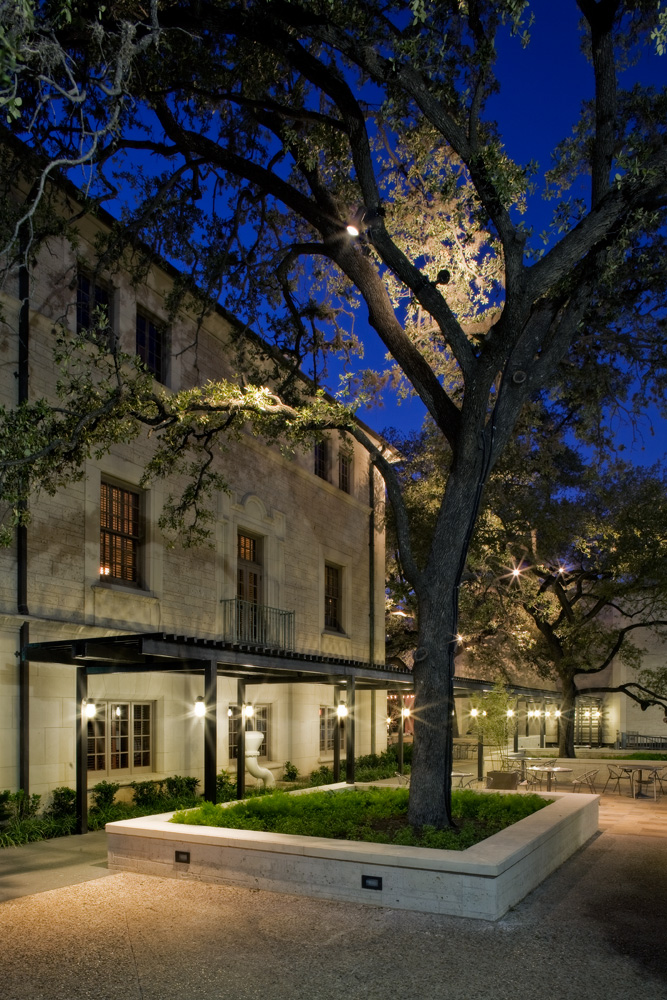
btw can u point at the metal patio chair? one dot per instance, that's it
(586, 779)
(617, 775)
(654, 778)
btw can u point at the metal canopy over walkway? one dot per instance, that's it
(249, 663)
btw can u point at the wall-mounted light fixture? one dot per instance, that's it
(90, 708)
(200, 707)
(341, 710)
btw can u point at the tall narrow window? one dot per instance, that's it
(322, 459)
(93, 306)
(151, 341)
(329, 725)
(119, 534)
(332, 598)
(344, 472)
(248, 588)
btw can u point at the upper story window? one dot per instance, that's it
(119, 534)
(151, 346)
(322, 459)
(93, 305)
(344, 472)
(332, 598)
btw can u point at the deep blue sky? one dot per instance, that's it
(542, 87)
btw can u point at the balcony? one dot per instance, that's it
(257, 625)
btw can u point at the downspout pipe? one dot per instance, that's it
(23, 377)
(253, 741)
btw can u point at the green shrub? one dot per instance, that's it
(377, 815)
(323, 775)
(180, 788)
(165, 794)
(103, 794)
(63, 803)
(146, 794)
(225, 787)
(290, 771)
(18, 806)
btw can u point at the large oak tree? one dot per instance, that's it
(244, 137)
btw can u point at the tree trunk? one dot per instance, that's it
(431, 781)
(566, 722)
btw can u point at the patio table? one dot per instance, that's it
(550, 771)
(631, 769)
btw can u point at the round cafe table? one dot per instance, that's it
(550, 771)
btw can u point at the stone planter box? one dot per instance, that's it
(483, 881)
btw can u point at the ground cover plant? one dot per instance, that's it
(369, 767)
(640, 755)
(376, 815)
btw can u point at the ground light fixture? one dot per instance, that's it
(200, 707)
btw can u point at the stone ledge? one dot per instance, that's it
(483, 881)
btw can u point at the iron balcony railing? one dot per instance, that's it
(257, 624)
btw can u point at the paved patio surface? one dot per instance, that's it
(595, 928)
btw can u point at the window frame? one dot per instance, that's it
(98, 289)
(135, 539)
(333, 600)
(101, 729)
(344, 472)
(321, 460)
(328, 721)
(159, 369)
(234, 725)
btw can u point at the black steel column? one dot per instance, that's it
(240, 760)
(543, 723)
(401, 724)
(81, 751)
(24, 711)
(210, 729)
(336, 742)
(349, 732)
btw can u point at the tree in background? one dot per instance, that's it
(299, 159)
(564, 572)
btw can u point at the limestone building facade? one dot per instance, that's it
(296, 563)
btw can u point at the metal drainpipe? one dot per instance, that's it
(23, 391)
(371, 590)
(23, 376)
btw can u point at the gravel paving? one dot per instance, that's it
(595, 928)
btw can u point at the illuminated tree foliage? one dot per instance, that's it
(264, 127)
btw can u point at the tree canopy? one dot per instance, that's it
(563, 572)
(264, 128)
